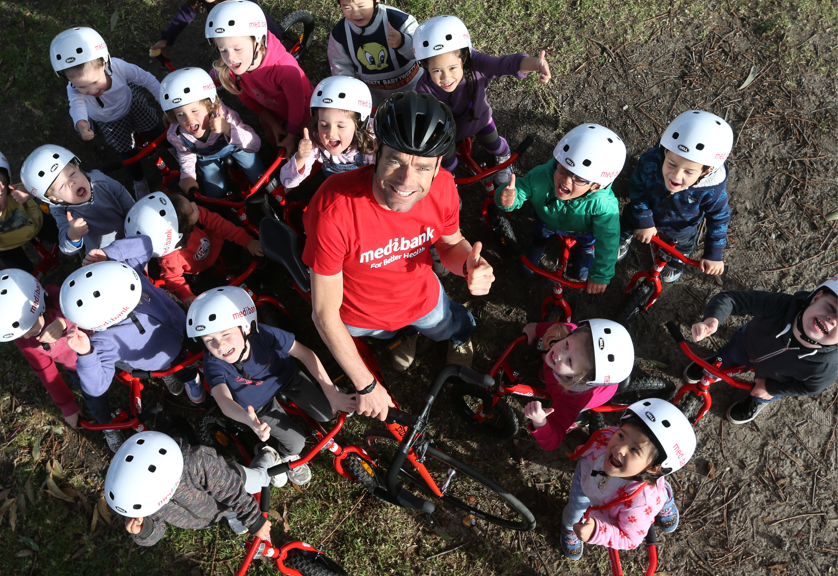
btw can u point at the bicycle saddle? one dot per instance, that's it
(279, 242)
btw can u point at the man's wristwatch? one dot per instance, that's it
(368, 389)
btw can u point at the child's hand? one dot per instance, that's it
(339, 401)
(22, 196)
(73, 420)
(543, 69)
(218, 124)
(537, 414)
(264, 532)
(288, 142)
(134, 525)
(77, 227)
(595, 287)
(187, 184)
(95, 255)
(508, 194)
(584, 531)
(645, 234)
(303, 150)
(255, 247)
(261, 429)
(702, 330)
(84, 129)
(53, 332)
(712, 267)
(78, 341)
(394, 37)
(529, 330)
(159, 45)
(759, 390)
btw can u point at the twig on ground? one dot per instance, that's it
(790, 457)
(794, 265)
(329, 535)
(723, 440)
(444, 552)
(538, 552)
(796, 516)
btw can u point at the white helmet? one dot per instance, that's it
(21, 302)
(77, 46)
(830, 284)
(186, 86)
(439, 35)
(343, 93)
(4, 164)
(155, 217)
(700, 137)
(221, 309)
(613, 352)
(100, 295)
(144, 474)
(236, 18)
(670, 427)
(592, 152)
(42, 167)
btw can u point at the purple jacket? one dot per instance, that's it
(163, 320)
(485, 68)
(186, 14)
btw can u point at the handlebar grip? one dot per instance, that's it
(675, 331)
(525, 143)
(141, 374)
(279, 469)
(475, 377)
(651, 536)
(45, 346)
(265, 500)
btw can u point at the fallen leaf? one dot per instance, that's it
(23, 553)
(832, 216)
(711, 470)
(469, 520)
(29, 542)
(751, 77)
(36, 449)
(104, 510)
(114, 19)
(6, 505)
(443, 534)
(275, 515)
(13, 518)
(78, 552)
(58, 430)
(94, 521)
(56, 470)
(54, 491)
(286, 525)
(657, 364)
(21, 504)
(184, 557)
(5, 493)
(84, 502)
(30, 493)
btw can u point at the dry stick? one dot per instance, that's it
(796, 516)
(793, 265)
(742, 129)
(825, 549)
(537, 551)
(662, 14)
(792, 458)
(329, 535)
(723, 440)
(446, 552)
(724, 505)
(649, 117)
(802, 443)
(831, 435)
(779, 488)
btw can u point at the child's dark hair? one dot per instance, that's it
(658, 453)
(79, 69)
(465, 58)
(211, 107)
(184, 227)
(362, 141)
(197, 5)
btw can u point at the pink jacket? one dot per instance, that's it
(280, 85)
(622, 526)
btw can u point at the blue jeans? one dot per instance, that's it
(581, 255)
(330, 168)
(448, 320)
(733, 354)
(213, 171)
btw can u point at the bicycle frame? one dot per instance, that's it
(657, 245)
(49, 260)
(651, 549)
(557, 278)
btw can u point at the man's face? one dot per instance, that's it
(401, 180)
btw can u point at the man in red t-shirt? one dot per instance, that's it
(369, 237)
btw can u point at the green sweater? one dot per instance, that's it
(595, 212)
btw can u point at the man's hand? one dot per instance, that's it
(508, 194)
(261, 429)
(94, 256)
(77, 227)
(53, 332)
(595, 287)
(480, 275)
(187, 302)
(584, 531)
(376, 404)
(264, 532)
(543, 69)
(645, 234)
(702, 330)
(73, 420)
(759, 391)
(303, 150)
(537, 414)
(255, 247)
(134, 525)
(84, 129)
(78, 341)
(394, 37)
(712, 267)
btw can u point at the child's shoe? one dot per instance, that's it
(745, 410)
(623, 249)
(235, 525)
(668, 516)
(114, 438)
(140, 188)
(572, 546)
(195, 389)
(300, 475)
(174, 385)
(672, 271)
(502, 177)
(279, 480)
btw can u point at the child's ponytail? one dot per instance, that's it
(465, 56)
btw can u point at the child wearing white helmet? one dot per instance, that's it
(247, 365)
(571, 195)
(459, 76)
(30, 316)
(53, 175)
(123, 321)
(677, 185)
(186, 239)
(373, 42)
(790, 343)
(106, 95)
(342, 138)
(255, 66)
(21, 221)
(578, 375)
(619, 489)
(204, 132)
(155, 480)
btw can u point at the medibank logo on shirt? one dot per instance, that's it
(401, 244)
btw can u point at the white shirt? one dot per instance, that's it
(116, 101)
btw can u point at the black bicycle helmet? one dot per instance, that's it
(415, 124)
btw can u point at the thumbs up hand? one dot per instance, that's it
(84, 129)
(479, 273)
(543, 69)
(508, 194)
(303, 150)
(261, 429)
(394, 37)
(218, 124)
(537, 414)
(77, 227)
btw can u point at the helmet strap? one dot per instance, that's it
(238, 363)
(136, 322)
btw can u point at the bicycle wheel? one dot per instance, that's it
(464, 487)
(634, 303)
(502, 229)
(596, 421)
(297, 32)
(313, 564)
(645, 387)
(469, 399)
(691, 405)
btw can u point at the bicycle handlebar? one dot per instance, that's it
(144, 151)
(552, 276)
(285, 467)
(672, 251)
(675, 331)
(519, 151)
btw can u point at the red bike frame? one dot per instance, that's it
(558, 280)
(658, 264)
(49, 260)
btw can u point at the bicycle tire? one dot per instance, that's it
(468, 399)
(634, 303)
(645, 387)
(690, 405)
(596, 421)
(502, 230)
(468, 489)
(217, 433)
(313, 564)
(361, 472)
(291, 38)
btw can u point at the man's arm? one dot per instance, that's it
(455, 250)
(326, 300)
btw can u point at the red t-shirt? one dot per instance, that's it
(384, 255)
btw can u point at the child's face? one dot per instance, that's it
(568, 358)
(820, 319)
(237, 53)
(359, 12)
(629, 452)
(226, 345)
(194, 118)
(71, 186)
(91, 82)
(569, 186)
(446, 70)
(336, 129)
(680, 173)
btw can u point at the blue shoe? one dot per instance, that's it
(672, 271)
(668, 516)
(623, 249)
(195, 389)
(572, 546)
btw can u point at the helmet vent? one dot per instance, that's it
(566, 148)
(675, 135)
(610, 141)
(79, 303)
(129, 458)
(610, 357)
(15, 324)
(162, 451)
(162, 212)
(88, 275)
(55, 156)
(137, 506)
(607, 330)
(665, 423)
(111, 495)
(699, 146)
(212, 317)
(425, 44)
(5, 277)
(231, 23)
(719, 123)
(165, 96)
(187, 90)
(96, 294)
(586, 162)
(448, 36)
(133, 287)
(79, 50)
(319, 92)
(3, 292)
(40, 174)
(342, 95)
(72, 283)
(141, 441)
(152, 468)
(190, 321)
(647, 403)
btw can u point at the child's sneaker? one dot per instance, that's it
(279, 480)
(672, 271)
(174, 385)
(502, 177)
(114, 438)
(195, 389)
(668, 516)
(572, 546)
(235, 525)
(623, 249)
(745, 410)
(140, 188)
(300, 475)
